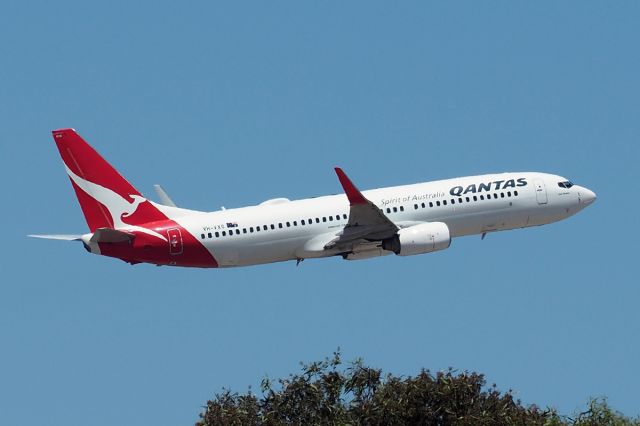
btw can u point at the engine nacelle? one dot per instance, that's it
(418, 239)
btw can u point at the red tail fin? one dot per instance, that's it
(106, 198)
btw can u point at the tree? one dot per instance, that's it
(329, 393)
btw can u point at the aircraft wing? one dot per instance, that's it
(366, 221)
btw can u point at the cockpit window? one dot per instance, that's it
(565, 184)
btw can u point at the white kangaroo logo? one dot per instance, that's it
(137, 200)
(118, 206)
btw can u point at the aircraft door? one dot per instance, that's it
(541, 191)
(175, 241)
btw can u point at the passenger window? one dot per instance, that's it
(515, 193)
(288, 224)
(244, 230)
(460, 200)
(344, 216)
(202, 236)
(502, 195)
(224, 233)
(265, 227)
(237, 232)
(295, 223)
(330, 218)
(258, 228)
(273, 226)
(508, 193)
(317, 220)
(280, 225)
(388, 210)
(324, 219)
(251, 229)
(468, 200)
(217, 234)
(423, 205)
(430, 204)
(475, 198)
(438, 203)
(401, 208)
(444, 202)
(495, 196)
(482, 197)
(453, 201)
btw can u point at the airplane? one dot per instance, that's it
(403, 220)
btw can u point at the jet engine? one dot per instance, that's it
(418, 239)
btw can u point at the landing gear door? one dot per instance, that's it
(541, 191)
(175, 241)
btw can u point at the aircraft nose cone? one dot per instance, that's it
(587, 196)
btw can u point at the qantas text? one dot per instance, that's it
(495, 185)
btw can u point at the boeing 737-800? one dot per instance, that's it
(403, 220)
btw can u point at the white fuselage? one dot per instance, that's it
(280, 230)
(405, 220)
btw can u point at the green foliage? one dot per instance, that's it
(599, 413)
(323, 393)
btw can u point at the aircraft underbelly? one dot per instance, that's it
(477, 223)
(269, 251)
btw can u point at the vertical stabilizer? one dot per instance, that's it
(106, 198)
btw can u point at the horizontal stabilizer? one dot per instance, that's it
(109, 235)
(62, 237)
(165, 200)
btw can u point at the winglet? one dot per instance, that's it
(353, 194)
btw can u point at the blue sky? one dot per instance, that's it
(232, 104)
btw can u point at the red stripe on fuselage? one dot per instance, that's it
(151, 249)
